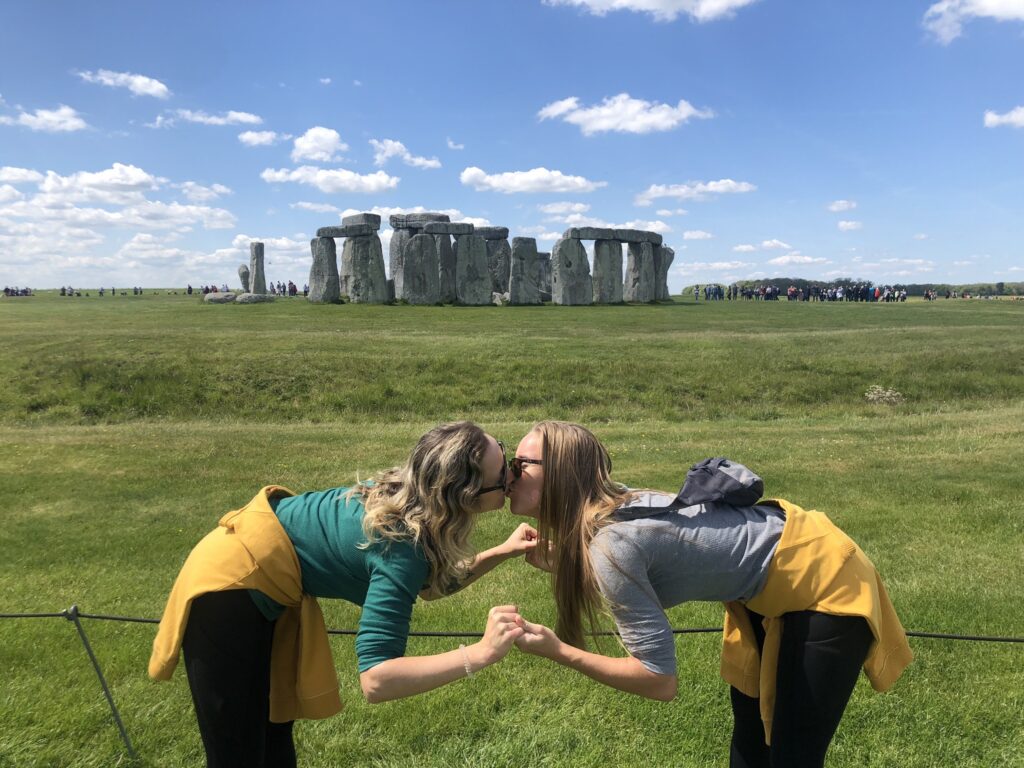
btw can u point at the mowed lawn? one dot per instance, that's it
(128, 425)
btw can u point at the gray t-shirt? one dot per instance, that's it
(713, 552)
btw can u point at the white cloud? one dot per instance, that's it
(1015, 269)
(661, 10)
(9, 193)
(325, 81)
(118, 185)
(653, 226)
(1013, 118)
(453, 145)
(745, 248)
(691, 267)
(539, 233)
(773, 244)
(64, 119)
(140, 85)
(910, 262)
(962, 263)
(13, 175)
(849, 226)
(693, 190)
(697, 234)
(320, 145)
(671, 211)
(563, 209)
(357, 83)
(385, 149)
(839, 206)
(920, 236)
(534, 180)
(623, 114)
(332, 180)
(316, 207)
(261, 138)
(197, 193)
(796, 258)
(945, 19)
(230, 117)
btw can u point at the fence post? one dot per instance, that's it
(71, 614)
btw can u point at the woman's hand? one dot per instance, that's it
(501, 632)
(537, 639)
(523, 539)
(542, 558)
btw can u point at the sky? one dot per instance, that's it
(149, 143)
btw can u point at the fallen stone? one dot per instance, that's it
(368, 283)
(257, 279)
(589, 233)
(448, 228)
(571, 283)
(420, 279)
(324, 283)
(640, 279)
(220, 298)
(372, 219)
(253, 298)
(415, 220)
(522, 285)
(472, 277)
(499, 262)
(355, 230)
(636, 236)
(492, 233)
(607, 272)
(499, 299)
(243, 275)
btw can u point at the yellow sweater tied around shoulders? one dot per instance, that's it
(816, 567)
(250, 550)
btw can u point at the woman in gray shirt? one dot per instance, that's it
(792, 667)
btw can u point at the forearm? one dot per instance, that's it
(484, 562)
(409, 675)
(623, 674)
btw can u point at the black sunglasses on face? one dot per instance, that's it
(502, 478)
(516, 465)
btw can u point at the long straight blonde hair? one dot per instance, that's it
(431, 500)
(578, 498)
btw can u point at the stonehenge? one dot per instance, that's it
(433, 260)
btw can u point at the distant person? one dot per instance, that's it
(244, 606)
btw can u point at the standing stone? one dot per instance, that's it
(472, 278)
(640, 285)
(257, 279)
(368, 283)
(396, 263)
(419, 258)
(345, 267)
(663, 256)
(544, 272)
(570, 273)
(523, 287)
(323, 275)
(391, 288)
(243, 275)
(447, 293)
(499, 263)
(607, 272)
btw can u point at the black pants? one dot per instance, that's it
(819, 660)
(227, 657)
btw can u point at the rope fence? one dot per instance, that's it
(74, 615)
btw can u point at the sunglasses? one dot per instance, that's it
(516, 465)
(502, 478)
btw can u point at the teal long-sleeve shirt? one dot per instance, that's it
(326, 530)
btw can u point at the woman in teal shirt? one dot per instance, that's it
(380, 545)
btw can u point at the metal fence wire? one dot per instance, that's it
(75, 616)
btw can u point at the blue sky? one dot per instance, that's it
(147, 144)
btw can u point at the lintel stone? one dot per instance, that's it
(492, 233)
(447, 228)
(415, 220)
(636, 236)
(354, 230)
(590, 233)
(361, 218)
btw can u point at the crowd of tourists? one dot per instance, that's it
(16, 291)
(768, 292)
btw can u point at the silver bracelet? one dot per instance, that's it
(465, 660)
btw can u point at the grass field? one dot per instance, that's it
(128, 425)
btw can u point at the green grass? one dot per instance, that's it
(128, 426)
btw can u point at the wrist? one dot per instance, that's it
(480, 656)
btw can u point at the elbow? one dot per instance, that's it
(371, 687)
(664, 689)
